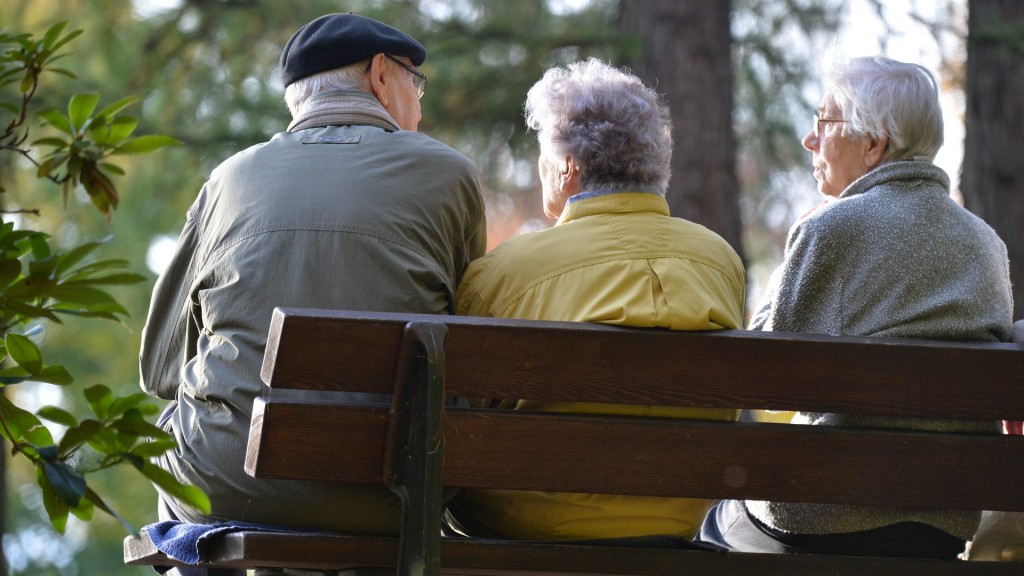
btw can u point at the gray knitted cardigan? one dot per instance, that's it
(892, 256)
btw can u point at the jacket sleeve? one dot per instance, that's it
(169, 336)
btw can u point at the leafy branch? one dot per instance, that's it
(38, 284)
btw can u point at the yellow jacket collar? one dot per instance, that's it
(603, 202)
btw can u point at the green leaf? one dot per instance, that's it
(14, 375)
(91, 268)
(99, 398)
(7, 228)
(38, 436)
(48, 453)
(76, 255)
(54, 374)
(92, 314)
(134, 424)
(27, 82)
(79, 435)
(10, 269)
(85, 509)
(81, 107)
(71, 36)
(114, 132)
(30, 311)
(146, 144)
(150, 409)
(190, 495)
(18, 421)
(51, 141)
(133, 460)
(41, 271)
(111, 110)
(16, 240)
(54, 118)
(81, 295)
(63, 72)
(94, 498)
(52, 35)
(51, 164)
(108, 441)
(57, 415)
(22, 237)
(100, 188)
(125, 403)
(124, 278)
(154, 448)
(69, 484)
(112, 168)
(56, 508)
(24, 352)
(40, 246)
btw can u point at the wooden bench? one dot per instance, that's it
(417, 446)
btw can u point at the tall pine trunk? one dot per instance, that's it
(993, 173)
(687, 58)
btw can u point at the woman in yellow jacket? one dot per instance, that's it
(615, 256)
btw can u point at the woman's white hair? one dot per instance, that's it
(351, 77)
(883, 97)
(617, 130)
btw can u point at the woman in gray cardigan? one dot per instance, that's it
(888, 254)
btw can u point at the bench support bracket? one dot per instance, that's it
(415, 455)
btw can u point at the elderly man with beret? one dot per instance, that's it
(350, 208)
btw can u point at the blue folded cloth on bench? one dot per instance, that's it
(186, 542)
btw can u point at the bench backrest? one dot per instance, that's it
(304, 429)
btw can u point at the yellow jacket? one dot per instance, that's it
(614, 258)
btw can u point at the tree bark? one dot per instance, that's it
(687, 58)
(993, 174)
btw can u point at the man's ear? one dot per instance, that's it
(378, 80)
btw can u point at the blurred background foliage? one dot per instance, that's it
(206, 73)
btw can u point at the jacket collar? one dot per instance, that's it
(343, 108)
(898, 170)
(589, 204)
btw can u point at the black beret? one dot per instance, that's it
(337, 40)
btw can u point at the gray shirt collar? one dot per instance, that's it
(343, 108)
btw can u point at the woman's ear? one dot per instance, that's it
(875, 150)
(569, 176)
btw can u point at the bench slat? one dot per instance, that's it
(508, 449)
(733, 369)
(468, 557)
(307, 441)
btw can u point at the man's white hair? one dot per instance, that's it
(351, 77)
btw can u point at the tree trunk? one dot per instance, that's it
(993, 174)
(687, 58)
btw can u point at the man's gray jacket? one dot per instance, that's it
(343, 211)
